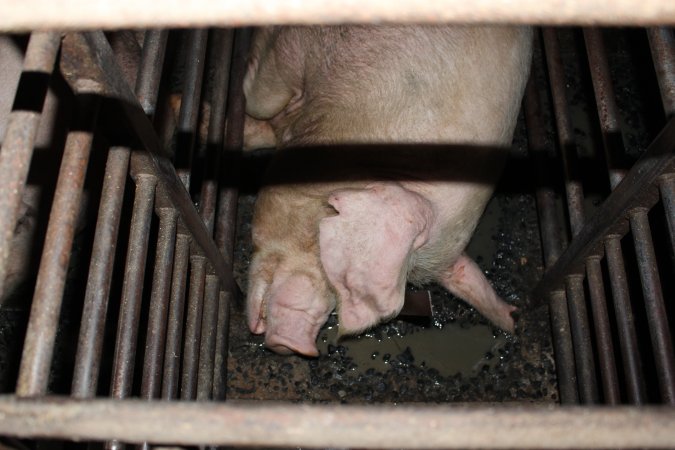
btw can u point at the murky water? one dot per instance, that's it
(450, 350)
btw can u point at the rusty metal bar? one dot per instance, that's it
(174, 333)
(220, 58)
(608, 219)
(581, 337)
(150, 72)
(552, 243)
(608, 111)
(207, 346)
(189, 106)
(134, 274)
(220, 360)
(562, 345)
(234, 140)
(159, 304)
(22, 128)
(345, 426)
(69, 14)
(109, 81)
(39, 343)
(579, 325)
(630, 352)
(603, 333)
(188, 390)
(573, 186)
(90, 341)
(662, 343)
(662, 44)
(667, 187)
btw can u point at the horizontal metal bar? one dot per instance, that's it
(196, 423)
(70, 14)
(611, 217)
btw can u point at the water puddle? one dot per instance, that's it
(450, 350)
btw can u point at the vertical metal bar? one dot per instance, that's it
(159, 304)
(667, 188)
(603, 333)
(189, 107)
(234, 139)
(174, 333)
(220, 57)
(134, 274)
(150, 73)
(220, 363)
(208, 339)
(662, 44)
(90, 342)
(657, 317)
(628, 343)
(575, 196)
(562, 343)
(581, 337)
(39, 343)
(22, 128)
(573, 186)
(193, 328)
(608, 111)
(608, 114)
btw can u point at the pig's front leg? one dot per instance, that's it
(366, 250)
(465, 280)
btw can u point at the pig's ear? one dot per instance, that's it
(259, 280)
(366, 249)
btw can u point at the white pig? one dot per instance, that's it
(364, 217)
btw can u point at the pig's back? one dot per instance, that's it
(403, 84)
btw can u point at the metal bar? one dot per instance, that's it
(608, 111)
(234, 140)
(110, 81)
(22, 128)
(667, 187)
(581, 338)
(349, 426)
(220, 58)
(662, 44)
(573, 186)
(662, 343)
(159, 304)
(189, 106)
(550, 229)
(39, 343)
(193, 323)
(90, 341)
(630, 352)
(562, 345)
(207, 346)
(603, 333)
(150, 72)
(220, 363)
(174, 333)
(134, 274)
(69, 14)
(609, 217)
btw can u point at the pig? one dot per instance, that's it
(399, 135)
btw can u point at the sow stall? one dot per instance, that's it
(159, 177)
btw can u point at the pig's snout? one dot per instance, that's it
(291, 314)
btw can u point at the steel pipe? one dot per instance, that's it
(343, 426)
(92, 14)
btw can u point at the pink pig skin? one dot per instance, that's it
(400, 134)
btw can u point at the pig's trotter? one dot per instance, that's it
(366, 249)
(465, 280)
